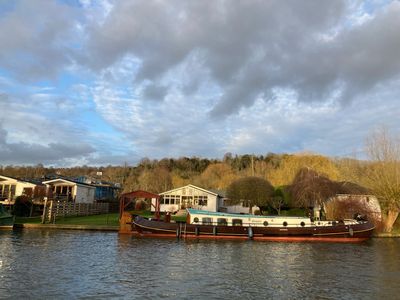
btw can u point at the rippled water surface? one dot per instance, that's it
(46, 264)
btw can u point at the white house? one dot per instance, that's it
(225, 205)
(188, 196)
(10, 188)
(191, 196)
(369, 203)
(70, 190)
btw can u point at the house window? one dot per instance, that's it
(237, 222)
(170, 199)
(203, 200)
(246, 203)
(200, 200)
(206, 221)
(7, 191)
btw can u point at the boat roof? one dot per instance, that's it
(222, 214)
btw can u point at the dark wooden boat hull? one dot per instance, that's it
(338, 233)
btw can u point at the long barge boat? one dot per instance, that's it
(216, 225)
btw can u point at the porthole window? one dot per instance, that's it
(196, 220)
(285, 223)
(302, 224)
(265, 223)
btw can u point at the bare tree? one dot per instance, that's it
(383, 174)
(310, 188)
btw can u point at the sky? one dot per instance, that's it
(112, 82)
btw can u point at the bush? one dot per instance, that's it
(22, 206)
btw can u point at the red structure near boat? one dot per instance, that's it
(215, 225)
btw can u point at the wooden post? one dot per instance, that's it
(51, 211)
(125, 223)
(44, 211)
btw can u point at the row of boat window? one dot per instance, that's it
(235, 222)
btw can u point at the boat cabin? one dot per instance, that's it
(225, 219)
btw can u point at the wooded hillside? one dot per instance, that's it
(160, 175)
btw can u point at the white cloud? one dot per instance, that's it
(127, 79)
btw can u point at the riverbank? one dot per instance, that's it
(67, 227)
(386, 235)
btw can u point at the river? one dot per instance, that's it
(51, 264)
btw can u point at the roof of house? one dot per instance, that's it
(69, 180)
(31, 181)
(194, 187)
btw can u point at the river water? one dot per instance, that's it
(50, 264)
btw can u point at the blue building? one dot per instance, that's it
(105, 191)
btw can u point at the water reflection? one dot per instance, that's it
(69, 264)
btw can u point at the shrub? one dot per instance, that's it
(22, 206)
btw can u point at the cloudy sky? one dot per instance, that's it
(107, 82)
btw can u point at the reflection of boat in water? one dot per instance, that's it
(204, 224)
(6, 219)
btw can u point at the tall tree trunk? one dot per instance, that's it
(388, 220)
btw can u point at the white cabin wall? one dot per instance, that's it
(84, 194)
(239, 209)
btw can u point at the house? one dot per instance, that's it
(355, 203)
(188, 196)
(191, 196)
(105, 191)
(70, 190)
(226, 205)
(10, 188)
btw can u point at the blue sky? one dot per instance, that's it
(109, 82)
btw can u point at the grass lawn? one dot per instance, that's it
(100, 220)
(111, 219)
(32, 220)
